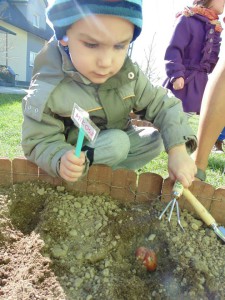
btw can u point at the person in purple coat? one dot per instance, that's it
(193, 52)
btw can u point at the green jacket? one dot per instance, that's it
(48, 131)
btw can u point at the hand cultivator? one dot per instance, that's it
(179, 190)
(176, 193)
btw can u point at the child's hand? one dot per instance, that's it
(181, 166)
(72, 167)
(178, 83)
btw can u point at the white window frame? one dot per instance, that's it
(36, 20)
(32, 58)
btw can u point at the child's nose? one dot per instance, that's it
(105, 59)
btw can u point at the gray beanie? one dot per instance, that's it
(63, 13)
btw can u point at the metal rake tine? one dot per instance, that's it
(165, 209)
(178, 216)
(172, 207)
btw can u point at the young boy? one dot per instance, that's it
(87, 64)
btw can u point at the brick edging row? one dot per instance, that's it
(122, 184)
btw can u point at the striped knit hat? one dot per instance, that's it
(63, 13)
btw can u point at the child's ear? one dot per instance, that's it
(64, 41)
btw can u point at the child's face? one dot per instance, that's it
(217, 6)
(98, 45)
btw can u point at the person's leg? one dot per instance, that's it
(222, 135)
(218, 147)
(119, 149)
(110, 148)
(145, 144)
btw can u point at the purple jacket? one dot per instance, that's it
(192, 54)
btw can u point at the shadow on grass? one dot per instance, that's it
(10, 99)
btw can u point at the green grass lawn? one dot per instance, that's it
(10, 142)
(10, 125)
(215, 168)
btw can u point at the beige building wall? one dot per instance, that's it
(16, 52)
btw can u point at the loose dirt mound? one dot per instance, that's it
(58, 245)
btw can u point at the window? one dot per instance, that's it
(32, 58)
(36, 21)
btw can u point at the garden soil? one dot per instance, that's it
(56, 245)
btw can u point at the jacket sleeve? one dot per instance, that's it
(43, 141)
(214, 57)
(175, 51)
(165, 111)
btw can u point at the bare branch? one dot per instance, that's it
(149, 66)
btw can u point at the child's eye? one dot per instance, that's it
(120, 46)
(90, 45)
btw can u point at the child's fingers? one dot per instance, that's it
(71, 173)
(72, 167)
(185, 179)
(178, 84)
(70, 156)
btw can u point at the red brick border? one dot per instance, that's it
(123, 185)
(5, 171)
